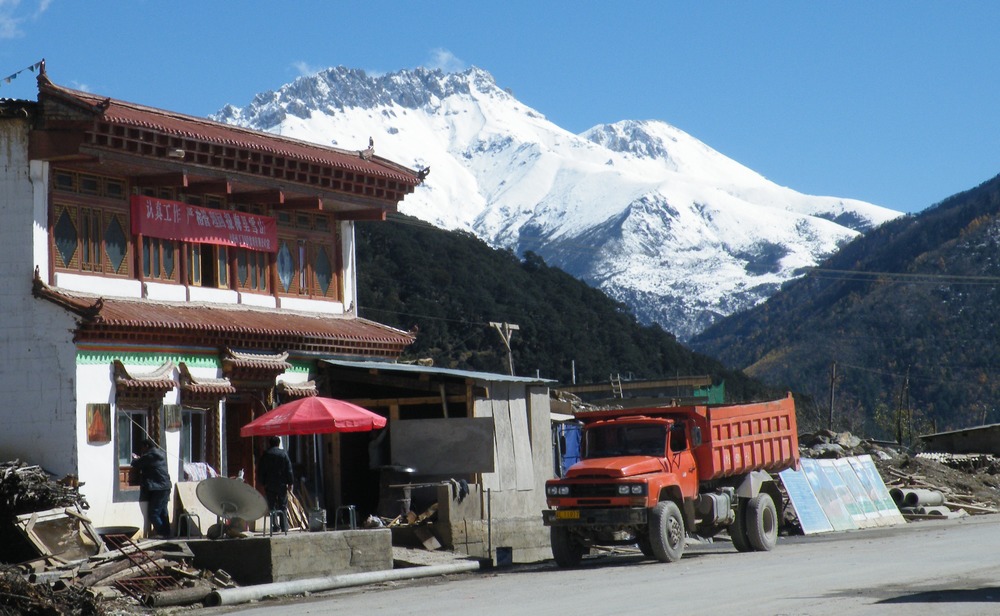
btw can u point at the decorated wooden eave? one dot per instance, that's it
(203, 390)
(191, 154)
(133, 321)
(257, 370)
(291, 391)
(144, 389)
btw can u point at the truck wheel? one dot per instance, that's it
(738, 529)
(762, 522)
(666, 532)
(566, 549)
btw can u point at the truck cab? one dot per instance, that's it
(646, 477)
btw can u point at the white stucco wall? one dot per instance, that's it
(98, 469)
(350, 267)
(36, 355)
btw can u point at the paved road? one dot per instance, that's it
(947, 567)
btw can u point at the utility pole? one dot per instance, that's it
(506, 330)
(833, 385)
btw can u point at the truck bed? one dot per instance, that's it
(748, 437)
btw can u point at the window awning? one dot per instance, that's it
(145, 389)
(203, 389)
(297, 390)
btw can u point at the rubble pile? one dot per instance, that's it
(25, 488)
(58, 563)
(18, 596)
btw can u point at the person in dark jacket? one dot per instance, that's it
(154, 484)
(276, 475)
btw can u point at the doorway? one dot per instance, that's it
(239, 450)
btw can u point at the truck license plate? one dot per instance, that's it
(568, 514)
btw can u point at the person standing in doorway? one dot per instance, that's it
(276, 475)
(154, 484)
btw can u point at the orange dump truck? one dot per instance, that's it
(650, 476)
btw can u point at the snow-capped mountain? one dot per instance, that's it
(640, 209)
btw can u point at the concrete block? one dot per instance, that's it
(281, 558)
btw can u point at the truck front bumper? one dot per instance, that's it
(586, 516)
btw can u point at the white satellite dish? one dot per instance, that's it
(231, 498)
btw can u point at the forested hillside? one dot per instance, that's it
(450, 286)
(907, 314)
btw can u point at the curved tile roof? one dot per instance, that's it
(172, 123)
(235, 321)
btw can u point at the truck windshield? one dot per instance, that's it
(627, 440)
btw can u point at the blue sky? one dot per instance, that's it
(892, 102)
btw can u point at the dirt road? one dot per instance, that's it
(947, 567)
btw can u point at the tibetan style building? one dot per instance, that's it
(170, 276)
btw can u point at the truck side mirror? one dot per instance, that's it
(695, 436)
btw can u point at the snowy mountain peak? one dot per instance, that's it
(640, 209)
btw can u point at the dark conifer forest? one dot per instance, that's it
(449, 286)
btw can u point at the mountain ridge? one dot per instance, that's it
(907, 315)
(639, 209)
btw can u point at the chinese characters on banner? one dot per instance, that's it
(173, 220)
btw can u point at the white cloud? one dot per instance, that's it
(446, 61)
(11, 18)
(304, 69)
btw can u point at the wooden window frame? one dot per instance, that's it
(127, 479)
(91, 218)
(259, 266)
(304, 249)
(154, 258)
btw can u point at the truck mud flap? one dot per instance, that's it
(594, 517)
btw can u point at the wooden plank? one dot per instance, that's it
(504, 441)
(427, 538)
(524, 474)
(187, 500)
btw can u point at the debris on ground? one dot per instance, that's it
(968, 483)
(58, 563)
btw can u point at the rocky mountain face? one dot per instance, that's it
(656, 219)
(898, 329)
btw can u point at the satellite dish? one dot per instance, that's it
(231, 498)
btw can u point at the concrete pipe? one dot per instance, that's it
(923, 498)
(234, 596)
(897, 495)
(941, 511)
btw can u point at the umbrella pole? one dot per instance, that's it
(317, 475)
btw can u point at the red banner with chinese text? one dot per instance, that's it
(173, 220)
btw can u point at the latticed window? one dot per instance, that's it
(252, 273)
(159, 259)
(307, 267)
(90, 239)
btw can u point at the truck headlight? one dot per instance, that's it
(557, 490)
(635, 489)
(563, 490)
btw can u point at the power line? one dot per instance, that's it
(876, 276)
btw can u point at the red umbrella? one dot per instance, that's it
(313, 415)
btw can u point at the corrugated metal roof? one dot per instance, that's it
(417, 369)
